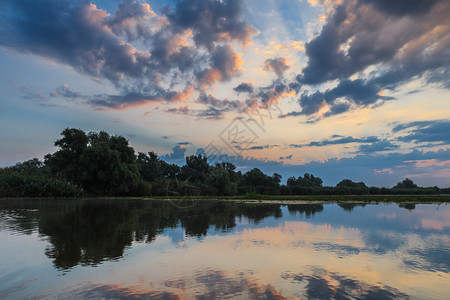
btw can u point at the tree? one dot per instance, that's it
(218, 182)
(406, 184)
(149, 166)
(108, 166)
(349, 187)
(195, 169)
(65, 162)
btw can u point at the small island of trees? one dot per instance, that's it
(98, 164)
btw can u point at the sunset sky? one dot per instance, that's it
(341, 89)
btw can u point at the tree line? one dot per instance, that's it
(98, 164)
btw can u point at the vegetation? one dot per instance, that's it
(98, 164)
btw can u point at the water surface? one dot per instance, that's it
(211, 249)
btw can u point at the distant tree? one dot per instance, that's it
(347, 183)
(255, 181)
(195, 169)
(230, 168)
(349, 187)
(32, 166)
(149, 166)
(308, 180)
(406, 184)
(218, 182)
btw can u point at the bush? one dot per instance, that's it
(18, 184)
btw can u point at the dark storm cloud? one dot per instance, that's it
(244, 88)
(93, 42)
(277, 65)
(393, 36)
(425, 131)
(338, 141)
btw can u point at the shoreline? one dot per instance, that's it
(261, 199)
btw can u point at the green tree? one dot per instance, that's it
(66, 161)
(108, 166)
(406, 184)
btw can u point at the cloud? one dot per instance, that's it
(262, 147)
(182, 110)
(133, 99)
(424, 131)
(212, 21)
(403, 7)
(245, 87)
(371, 46)
(268, 95)
(379, 146)
(216, 103)
(65, 91)
(178, 153)
(286, 157)
(144, 54)
(339, 98)
(226, 64)
(215, 110)
(277, 65)
(338, 140)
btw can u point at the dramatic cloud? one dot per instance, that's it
(216, 103)
(143, 54)
(267, 95)
(277, 65)
(132, 99)
(373, 46)
(338, 140)
(225, 64)
(244, 87)
(178, 153)
(215, 110)
(425, 131)
(358, 91)
(212, 21)
(379, 146)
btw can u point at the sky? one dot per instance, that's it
(354, 89)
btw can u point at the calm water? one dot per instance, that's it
(154, 249)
